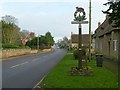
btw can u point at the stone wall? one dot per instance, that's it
(15, 52)
(111, 64)
(46, 50)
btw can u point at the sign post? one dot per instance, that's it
(79, 19)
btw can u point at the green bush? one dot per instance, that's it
(76, 53)
(22, 47)
(83, 52)
(13, 46)
(6, 46)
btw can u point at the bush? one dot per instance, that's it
(83, 52)
(22, 47)
(13, 46)
(9, 46)
(76, 53)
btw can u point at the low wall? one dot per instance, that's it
(46, 50)
(16, 52)
(34, 51)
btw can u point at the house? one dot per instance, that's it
(106, 40)
(28, 37)
(74, 40)
(85, 41)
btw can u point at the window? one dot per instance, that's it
(115, 45)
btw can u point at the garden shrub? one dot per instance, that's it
(76, 53)
(7, 46)
(13, 46)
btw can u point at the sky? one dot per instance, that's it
(55, 16)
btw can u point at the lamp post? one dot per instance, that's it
(79, 19)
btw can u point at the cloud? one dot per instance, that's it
(54, 17)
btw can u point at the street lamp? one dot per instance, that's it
(79, 16)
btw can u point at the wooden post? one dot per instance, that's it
(80, 48)
(90, 31)
(119, 59)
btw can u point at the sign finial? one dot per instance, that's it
(79, 14)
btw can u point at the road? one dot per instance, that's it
(27, 71)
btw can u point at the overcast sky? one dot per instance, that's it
(55, 16)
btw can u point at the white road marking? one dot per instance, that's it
(18, 65)
(36, 86)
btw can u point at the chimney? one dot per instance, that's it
(71, 33)
(99, 24)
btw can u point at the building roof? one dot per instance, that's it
(104, 28)
(85, 39)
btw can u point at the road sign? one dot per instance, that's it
(79, 22)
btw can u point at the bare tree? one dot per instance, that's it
(10, 19)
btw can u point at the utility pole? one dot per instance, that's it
(119, 56)
(89, 30)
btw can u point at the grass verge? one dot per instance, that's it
(60, 78)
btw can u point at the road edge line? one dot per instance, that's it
(36, 86)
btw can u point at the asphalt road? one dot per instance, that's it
(27, 71)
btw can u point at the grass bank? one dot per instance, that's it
(60, 78)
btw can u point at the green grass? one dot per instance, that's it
(60, 78)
